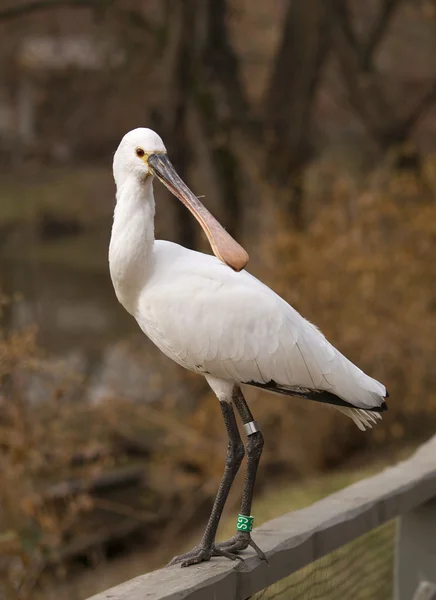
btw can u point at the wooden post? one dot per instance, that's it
(415, 560)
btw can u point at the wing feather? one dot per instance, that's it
(211, 319)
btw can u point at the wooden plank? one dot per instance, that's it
(415, 556)
(295, 539)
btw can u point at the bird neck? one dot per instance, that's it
(132, 239)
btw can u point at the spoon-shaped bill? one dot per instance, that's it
(223, 245)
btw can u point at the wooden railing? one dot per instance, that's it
(406, 491)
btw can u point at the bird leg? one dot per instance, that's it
(242, 539)
(235, 454)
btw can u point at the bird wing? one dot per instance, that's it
(230, 325)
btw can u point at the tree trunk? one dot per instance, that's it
(291, 93)
(222, 105)
(182, 92)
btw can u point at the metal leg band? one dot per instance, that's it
(251, 427)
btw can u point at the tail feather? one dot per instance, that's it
(364, 419)
(379, 405)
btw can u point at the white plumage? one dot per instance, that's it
(210, 319)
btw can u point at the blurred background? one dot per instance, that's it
(310, 128)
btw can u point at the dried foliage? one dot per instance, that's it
(364, 272)
(38, 445)
(76, 477)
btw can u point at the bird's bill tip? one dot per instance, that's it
(223, 245)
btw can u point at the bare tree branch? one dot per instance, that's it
(345, 22)
(364, 87)
(181, 92)
(365, 51)
(427, 100)
(221, 58)
(295, 75)
(26, 8)
(364, 90)
(377, 32)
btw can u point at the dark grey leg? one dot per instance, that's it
(235, 454)
(241, 540)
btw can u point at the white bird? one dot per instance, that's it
(214, 318)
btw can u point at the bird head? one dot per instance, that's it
(131, 157)
(142, 154)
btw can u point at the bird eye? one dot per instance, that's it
(140, 152)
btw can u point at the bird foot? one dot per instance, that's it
(239, 542)
(193, 557)
(201, 554)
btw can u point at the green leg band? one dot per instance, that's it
(244, 523)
